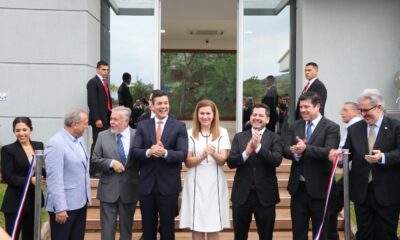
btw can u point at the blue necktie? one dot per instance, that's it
(308, 131)
(121, 151)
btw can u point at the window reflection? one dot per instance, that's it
(266, 52)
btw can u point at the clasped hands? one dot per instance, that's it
(157, 150)
(209, 150)
(254, 142)
(299, 147)
(375, 157)
(33, 181)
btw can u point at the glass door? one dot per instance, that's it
(263, 59)
(135, 45)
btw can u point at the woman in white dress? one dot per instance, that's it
(205, 203)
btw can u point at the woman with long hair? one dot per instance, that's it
(205, 204)
(16, 160)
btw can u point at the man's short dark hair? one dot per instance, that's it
(101, 63)
(312, 64)
(126, 77)
(270, 77)
(261, 105)
(158, 93)
(310, 95)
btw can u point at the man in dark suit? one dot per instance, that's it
(255, 154)
(374, 146)
(125, 96)
(148, 111)
(307, 144)
(99, 101)
(314, 85)
(113, 158)
(161, 145)
(350, 115)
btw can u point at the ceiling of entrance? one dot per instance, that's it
(199, 19)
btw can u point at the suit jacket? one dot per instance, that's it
(144, 116)
(114, 185)
(258, 170)
(165, 172)
(386, 177)
(68, 181)
(124, 96)
(14, 169)
(314, 163)
(319, 88)
(97, 102)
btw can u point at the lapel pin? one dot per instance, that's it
(385, 128)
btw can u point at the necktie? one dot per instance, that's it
(121, 150)
(107, 93)
(158, 132)
(306, 87)
(308, 130)
(371, 142)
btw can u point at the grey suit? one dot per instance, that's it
(116, 191)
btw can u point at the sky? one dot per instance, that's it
(131, 47)
(266, 39)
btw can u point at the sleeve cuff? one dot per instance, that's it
(244, 156)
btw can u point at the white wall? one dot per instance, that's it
(356, 44)
(48, 52)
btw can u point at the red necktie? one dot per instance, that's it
(306, 87)
(158, 131)
(107, 93)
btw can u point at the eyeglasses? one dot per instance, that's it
(364, 111)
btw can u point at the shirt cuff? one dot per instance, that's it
(383, 160)
(258, 148)
(111, 164)
(244, 156)
(297, 157)
(166, 153)
(147, 153)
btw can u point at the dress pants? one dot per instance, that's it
(302, 208)
(95, 133)
(73, 229)
(26, 224)
(108, 219)
(336, 208)
(157, 205)
(265, 218)
(376, 222)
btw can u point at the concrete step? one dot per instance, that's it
(225, 235)
(283, 220)
(284, 167)
(284, 195)
(282, 183)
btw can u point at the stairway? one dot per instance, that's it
(283, 222)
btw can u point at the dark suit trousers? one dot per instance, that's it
(108, 219)
(337, 206)
(375, 222)
(26, 224)
(265, 218)
(164, 206)
(95, 133)
(73, 229)
(302, 208)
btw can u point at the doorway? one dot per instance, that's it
(222, 50)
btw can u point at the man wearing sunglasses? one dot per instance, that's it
(374, 146)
